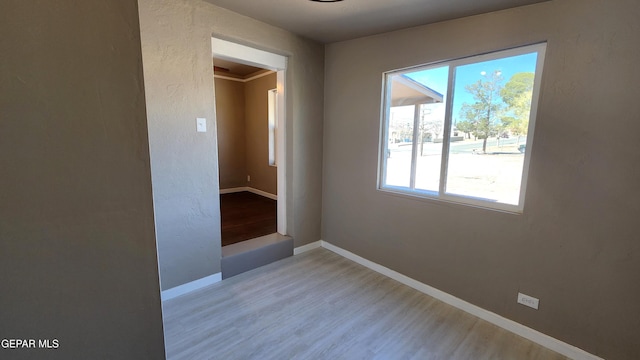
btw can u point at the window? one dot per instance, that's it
(272, 118)
(461, 130)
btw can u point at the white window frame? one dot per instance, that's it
(441, 194)
(272, 96)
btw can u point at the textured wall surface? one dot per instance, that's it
(230, 119)
(576, 246)
(176, 48)
(263, 176)
(178, 73)
(77, 246)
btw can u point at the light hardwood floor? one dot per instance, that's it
(319, 305)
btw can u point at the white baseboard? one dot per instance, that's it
(305, 248)
(262, 193)
(251, 190)
(547, 341)
(190, 286)
(233, 190)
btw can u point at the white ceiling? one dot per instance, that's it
(349, 19)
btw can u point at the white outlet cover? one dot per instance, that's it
(529, 301)
(201, 124)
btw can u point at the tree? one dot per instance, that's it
(471, 113)
(422, 135)
(466, 127)
(518, 84)
(430, 123)
(486, 112)
(517, 94)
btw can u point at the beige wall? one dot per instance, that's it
(77, 246)
(576, 245)
(243, 142)
(263, 176)
(232, 143)
(176, 48)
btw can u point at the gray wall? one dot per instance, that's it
(230, 118)
(576, 246)
(263, 176)
(178, 73)
(176, 49)
(77, 246)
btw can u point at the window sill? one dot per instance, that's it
(428, 196)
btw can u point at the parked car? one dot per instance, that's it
(522, 147)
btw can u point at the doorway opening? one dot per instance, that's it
(250, 121)
(245, 105)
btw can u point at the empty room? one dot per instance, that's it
(452, 180)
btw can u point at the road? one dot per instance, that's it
(459, 147)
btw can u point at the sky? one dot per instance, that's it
(437, 78)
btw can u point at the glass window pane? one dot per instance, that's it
(399, 146)
(431, 121)
(430, 147)
(491, 107)
(416, 97)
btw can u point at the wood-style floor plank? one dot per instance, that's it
(245, 216)
(319, 305)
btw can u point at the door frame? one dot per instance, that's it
(247, 55)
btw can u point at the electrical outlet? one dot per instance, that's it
(527, 300)
(248, 178)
